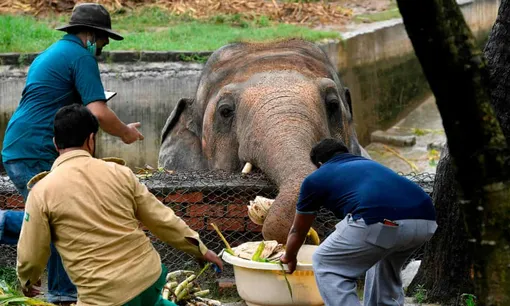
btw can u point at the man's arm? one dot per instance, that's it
(87, 81)
(296, 238)
(34, 242)
(112, 125)
(162, 222)
(309, 203)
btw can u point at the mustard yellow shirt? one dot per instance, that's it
(91, 210)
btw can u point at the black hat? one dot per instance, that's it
(91, 15)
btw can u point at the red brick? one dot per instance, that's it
(226, 282)
(196, 224)
(227, 224)
(161, 199)
(179, 209)
(252, 227)
(237, 210)
(203, 210)
(238, 199)
(193, 197)
(15, 201)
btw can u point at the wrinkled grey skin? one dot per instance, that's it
(266, 104)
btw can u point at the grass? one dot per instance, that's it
(8, 275)
(420, 294)
(391, 13)
(154, 29)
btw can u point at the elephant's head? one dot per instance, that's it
(266, 104)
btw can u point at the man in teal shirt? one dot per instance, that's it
(65, 73)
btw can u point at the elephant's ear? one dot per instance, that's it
(181, 148)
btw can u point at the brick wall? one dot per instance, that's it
(198, 200)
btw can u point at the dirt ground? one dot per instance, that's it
(303, 12)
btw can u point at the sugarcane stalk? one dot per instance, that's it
(286, 279)
(228, 248)
(171, 285)
(201, 293)
(207, 265)
(173, 275)
(213, 302)
(208, 302)
(258, 252)
(184, 285)
(166, 293)
(182, 294)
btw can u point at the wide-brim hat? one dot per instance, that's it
(91, 15)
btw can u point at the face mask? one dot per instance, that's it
(92, 48)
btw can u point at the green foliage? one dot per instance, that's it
(24, 33)
(192, 58)
(420, 295)
(391, 13)
(8, 275)
(419, 132)
(154, 29)
(469, 299)
(10, 296)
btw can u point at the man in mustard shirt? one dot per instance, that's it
(90, 209)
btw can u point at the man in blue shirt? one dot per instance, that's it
(65, 73)
(385, 218)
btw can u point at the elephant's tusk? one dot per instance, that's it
(247, 168)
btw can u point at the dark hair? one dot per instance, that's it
(326, 149)
(72, 125)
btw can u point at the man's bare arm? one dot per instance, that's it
(296, 238)
(112, 125)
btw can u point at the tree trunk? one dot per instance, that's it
(497, 54)
(459, 79)
(445, 270)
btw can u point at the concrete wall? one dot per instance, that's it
(379, 66)
(376, 62)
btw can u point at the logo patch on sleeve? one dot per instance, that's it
(27, 216)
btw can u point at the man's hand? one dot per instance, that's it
(211, 257)
(290, 262)
(32, 290)
(132, 133)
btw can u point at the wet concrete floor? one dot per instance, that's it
(425, 125)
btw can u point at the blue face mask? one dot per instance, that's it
(91, 47)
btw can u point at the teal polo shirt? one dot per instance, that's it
(63, 74)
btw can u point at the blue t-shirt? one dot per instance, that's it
(63, 74)
(364, 188)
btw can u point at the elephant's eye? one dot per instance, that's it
(226, 111)
(332, 101)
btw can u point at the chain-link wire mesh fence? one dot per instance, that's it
(201, 198)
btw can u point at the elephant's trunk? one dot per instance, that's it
(289, 129)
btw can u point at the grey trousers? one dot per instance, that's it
(378, 250)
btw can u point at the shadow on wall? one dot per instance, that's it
(386, 91)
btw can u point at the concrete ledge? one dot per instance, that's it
(396, 140)
(24, 59)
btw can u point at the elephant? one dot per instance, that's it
(267, 104)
